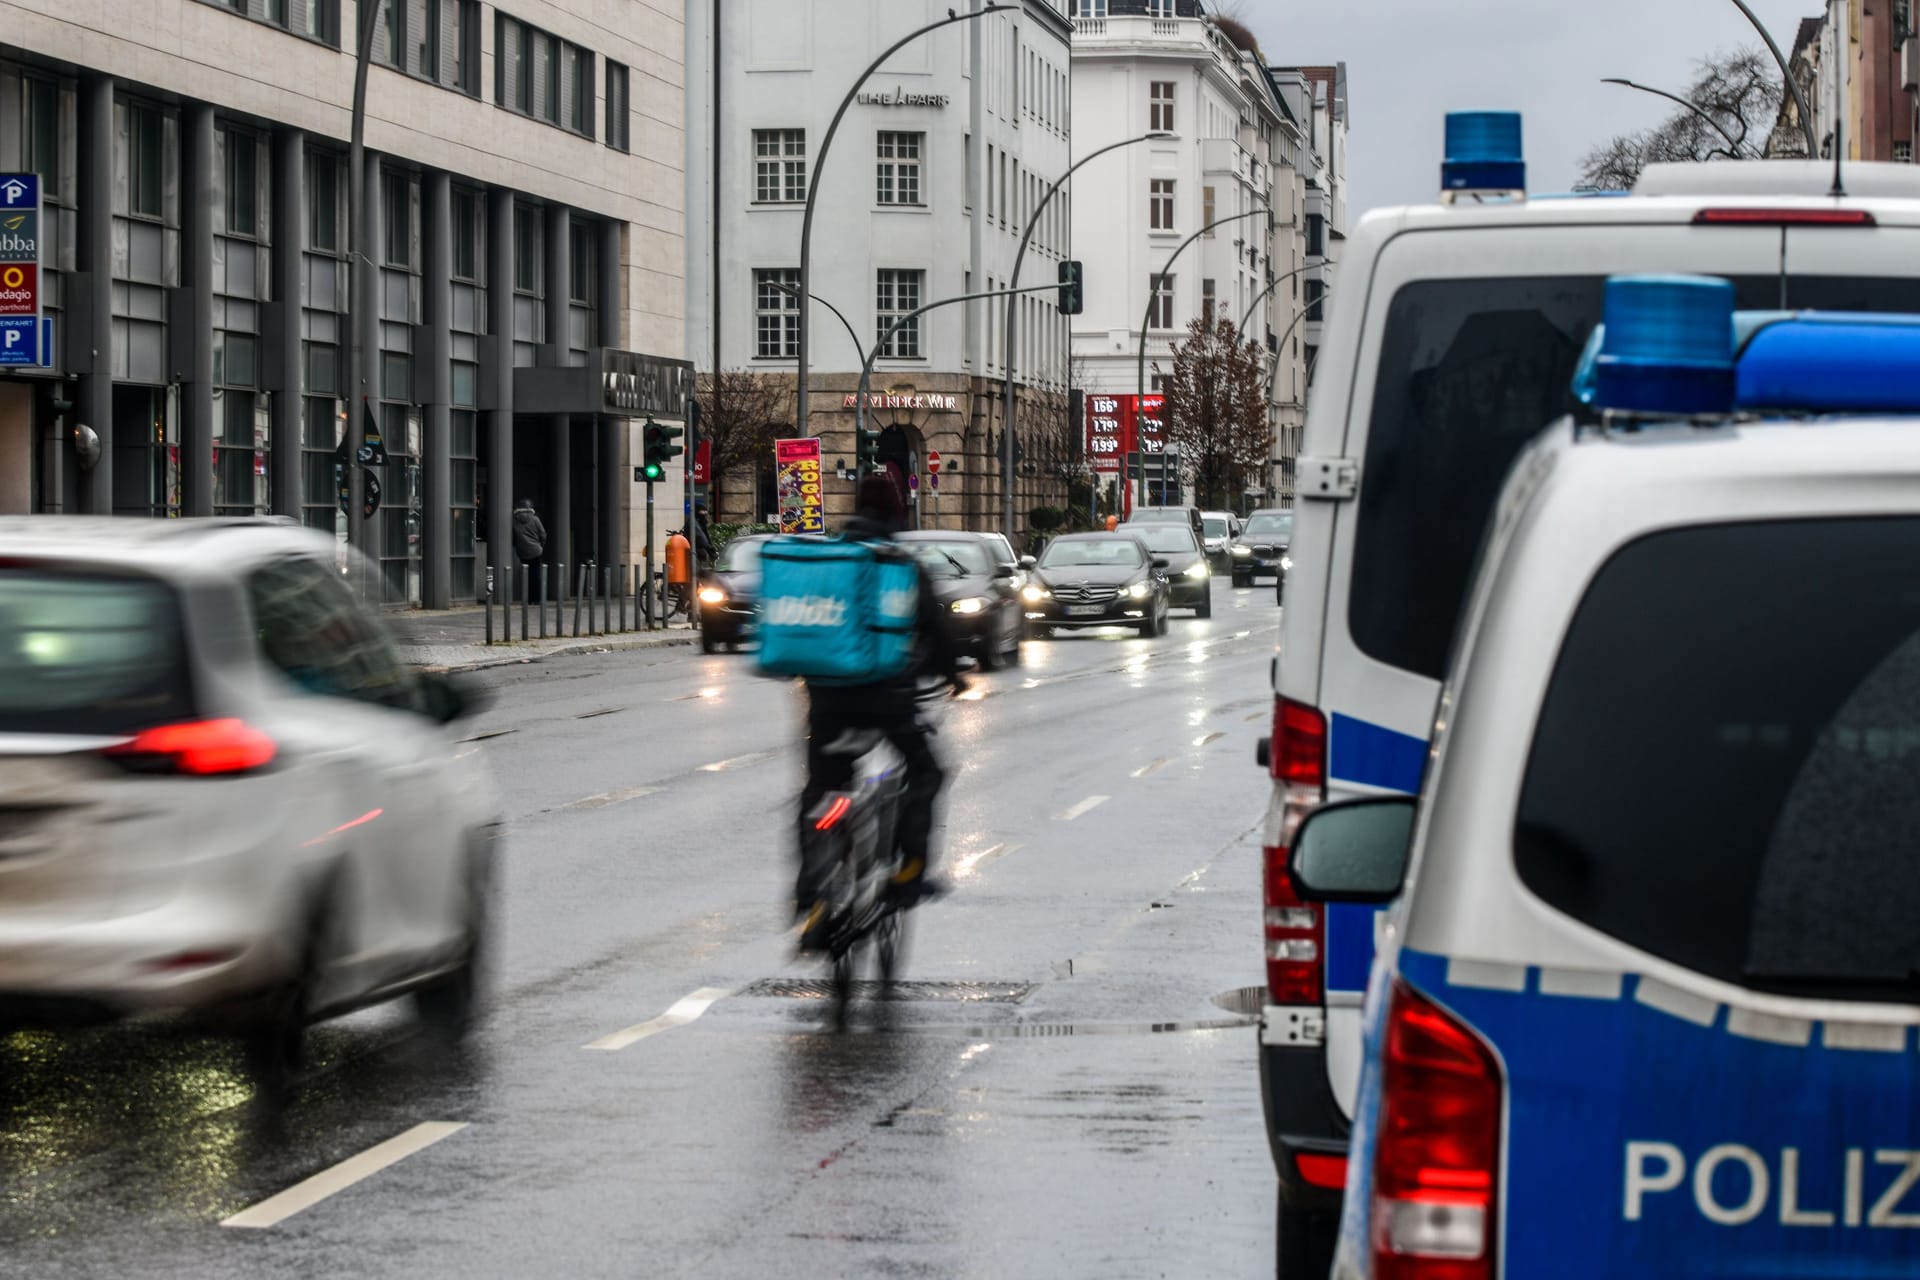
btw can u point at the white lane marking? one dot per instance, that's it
(606, 798)
(684, 1010)
(304, 1195)
(1258, 715)
(1204, 739)
(737, 762)
(974, 861)
(1090, 803)
(1146, 769)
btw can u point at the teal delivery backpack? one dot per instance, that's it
(836, 611)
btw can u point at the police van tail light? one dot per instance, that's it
(1295, 930)
(1437, 1162)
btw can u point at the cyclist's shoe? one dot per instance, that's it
(813, 930)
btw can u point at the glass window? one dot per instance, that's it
(323, 202)
(1160, 204)
(779, 165)
(462, 56)
(1162, 538)
(899, 167)
(899, 294)
(1276, 526)
(40, 132)
(312, 631)
(1315, 290)
(1206, 210)
(1216, 526)
(396, 217)
(776, 314)
(546, 76)
(85, 653)
(582, 263)
(619, 110)
(1160, 312)
(1075, 552)
(955, 559)
(741, 555)
(393, 33)
(1316, 234)
(528, 249)
(243, 183)
(1089, 8)
(320, 22)
(1769, 839)
(146, 161)
(1207, 296)
(1160, 106)
(468, 231)
(580, 106)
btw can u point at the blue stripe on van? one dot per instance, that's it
(1374, 755)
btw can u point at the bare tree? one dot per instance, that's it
(1216, 410)
(741, 413)
(1737, 97)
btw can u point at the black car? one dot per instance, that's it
(976, 591)
(1262, 546)
(1096, 580)
(728, 593)
(1189, 576)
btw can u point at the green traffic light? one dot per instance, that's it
(652, 471)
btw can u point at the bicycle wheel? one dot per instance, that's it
(890, 946)
(843, 967)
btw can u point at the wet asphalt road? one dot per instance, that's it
(1065, 1097)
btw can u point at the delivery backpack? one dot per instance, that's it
(837, 611)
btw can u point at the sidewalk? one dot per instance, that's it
(456, 639)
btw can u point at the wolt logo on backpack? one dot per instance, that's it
(806, 611)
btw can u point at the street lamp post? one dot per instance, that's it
(1153, 294)
(1786, 73)
(1006, 389)
(819, 164)
(366, 16)
(840, 315)
(1260, 297)
(1733, 153)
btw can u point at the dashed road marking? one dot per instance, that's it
(737, 762)
(1148, 768)
(606, 798)
(972, 862)
(683, 1011)
(1204, 739)
(304, 1195)
(1090, 803)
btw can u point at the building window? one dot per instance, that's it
(322, 21)
(899, 168)
(393, 20)
(513, 64)
(40, 132)
(146, 161)
(898, 294)
(1089, 8)
(527, 249)
(396, 218)
(546, 76)
(580, 77)
(1903, 152)
(243, 183)
(1207, 297)
(619, 109)
(1315, 290)
(469, 228)
(1160, 312)
(323, 202)
(1159, 8)
(779, 165)
(776, 314)
(463, 45)
(1206, 210)
(1160, 204)
(582, 261)
(1160, 106)
(1316, 234)
(429, 51)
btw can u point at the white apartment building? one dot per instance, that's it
(1236, 161)
(924, 194)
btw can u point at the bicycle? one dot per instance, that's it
(855, 833)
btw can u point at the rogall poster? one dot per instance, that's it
(797, 467)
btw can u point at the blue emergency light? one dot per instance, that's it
(1832, 362)
(1484, 152)
(1665, 347)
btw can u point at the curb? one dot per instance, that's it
(504, 655)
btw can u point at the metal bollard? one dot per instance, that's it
(486, 608)
(526, 589)
(606, 602)
(543, 600)
(579, 584)
(620, 592)
(560, 600)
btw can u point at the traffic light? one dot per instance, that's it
(868, 448)
(657, 449)
(1072, 295)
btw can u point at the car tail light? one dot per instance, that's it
(202, 748)
(1318, 1170)
(1436, 1167)
(1295, 929)
(1784, 218)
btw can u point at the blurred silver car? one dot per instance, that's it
(222, 793)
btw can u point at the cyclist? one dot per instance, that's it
(887, 706)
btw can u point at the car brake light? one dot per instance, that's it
(1295, 931)
(1318, 1170)
(1784, 218)
(203, 748)
(1437, 1161)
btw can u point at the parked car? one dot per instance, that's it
(976, 590)
(1263, 547)
(1219, 529)
(1096, 580)
(222, 793)
(729, 593)
(1189, 578)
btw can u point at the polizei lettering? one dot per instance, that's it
(1732, 1185)
(806, 611)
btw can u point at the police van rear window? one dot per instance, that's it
(1470, 370)
(1724, 770)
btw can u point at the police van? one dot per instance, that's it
(1453, 334)
(1646, 1003)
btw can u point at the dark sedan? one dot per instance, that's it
(1262, 546)
(1189, 576)
(1097, 580)
(975, 591)
(728, 593)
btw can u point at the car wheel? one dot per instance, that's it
(707, 643)
(448, 1005)
(1241, 581)
(275, 1037)
(1205, 608)
(1149, 629)
(1304, 1242)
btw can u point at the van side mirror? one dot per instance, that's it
(1027, 562)
(1353, 851)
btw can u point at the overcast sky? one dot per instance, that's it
(1409, 62)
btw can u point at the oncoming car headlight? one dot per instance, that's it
(1242, 551)
(972, 604)
(1286, 563)
(1034, 594)
(1140, 590)
(712, 595)
(1198, 569)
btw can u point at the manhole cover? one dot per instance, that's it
(965, 992)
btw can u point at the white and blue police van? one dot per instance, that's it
(1646, 1000)
(1453, 334)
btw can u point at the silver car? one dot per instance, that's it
(222, 794)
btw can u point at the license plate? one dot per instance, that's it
(1085, 610)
